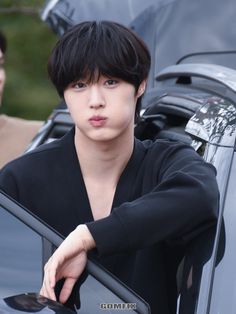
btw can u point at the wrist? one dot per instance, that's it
(86, 237)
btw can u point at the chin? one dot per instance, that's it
(103, 139)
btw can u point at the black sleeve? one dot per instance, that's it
(8, 182)
(185, 199)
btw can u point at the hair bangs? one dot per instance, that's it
(92, 49)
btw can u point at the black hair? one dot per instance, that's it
(3, 43)
(91, 49)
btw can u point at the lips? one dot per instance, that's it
(97, 121)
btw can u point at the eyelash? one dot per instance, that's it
(81, 85)
(76, 85)
(111, 81)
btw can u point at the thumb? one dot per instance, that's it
(66, 289)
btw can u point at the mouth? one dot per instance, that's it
(97, 121)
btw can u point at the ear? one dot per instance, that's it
(141, 88)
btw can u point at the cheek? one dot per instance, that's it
(126, 95)
(71, 101)
(77, 109)
(68, 99)
(129, 102)
(71, 105)
(124, 111)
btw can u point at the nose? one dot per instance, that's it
(96, 98)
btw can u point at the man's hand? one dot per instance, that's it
(68, 262)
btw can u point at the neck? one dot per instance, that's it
(103, 160)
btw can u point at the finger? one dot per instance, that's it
(49, 281)
(67, 289)
(48, 292)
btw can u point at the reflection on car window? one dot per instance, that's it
(96, 298)
(21, 256)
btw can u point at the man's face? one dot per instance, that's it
(2, 75)
(104, 110)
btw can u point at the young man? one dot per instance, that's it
(15, 133)
(127, 201)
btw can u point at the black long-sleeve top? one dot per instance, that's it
(164, 196)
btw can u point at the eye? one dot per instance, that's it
(78, 85)
(111, 82)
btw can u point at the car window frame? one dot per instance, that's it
(51, 239)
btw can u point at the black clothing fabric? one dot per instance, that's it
(164, 196)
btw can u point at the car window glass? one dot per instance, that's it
(96, 298)
(21, 256)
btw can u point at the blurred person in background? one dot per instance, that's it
(15, 133)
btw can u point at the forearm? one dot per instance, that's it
(84, 234)
(181, 204)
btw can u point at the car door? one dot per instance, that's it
(203, 97)
(224, 284)
(26, 243)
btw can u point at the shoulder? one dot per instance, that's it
(41, 153)
(163, 148)
(43, 156)
(37, 168)
(171, 155)
(21, 123)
